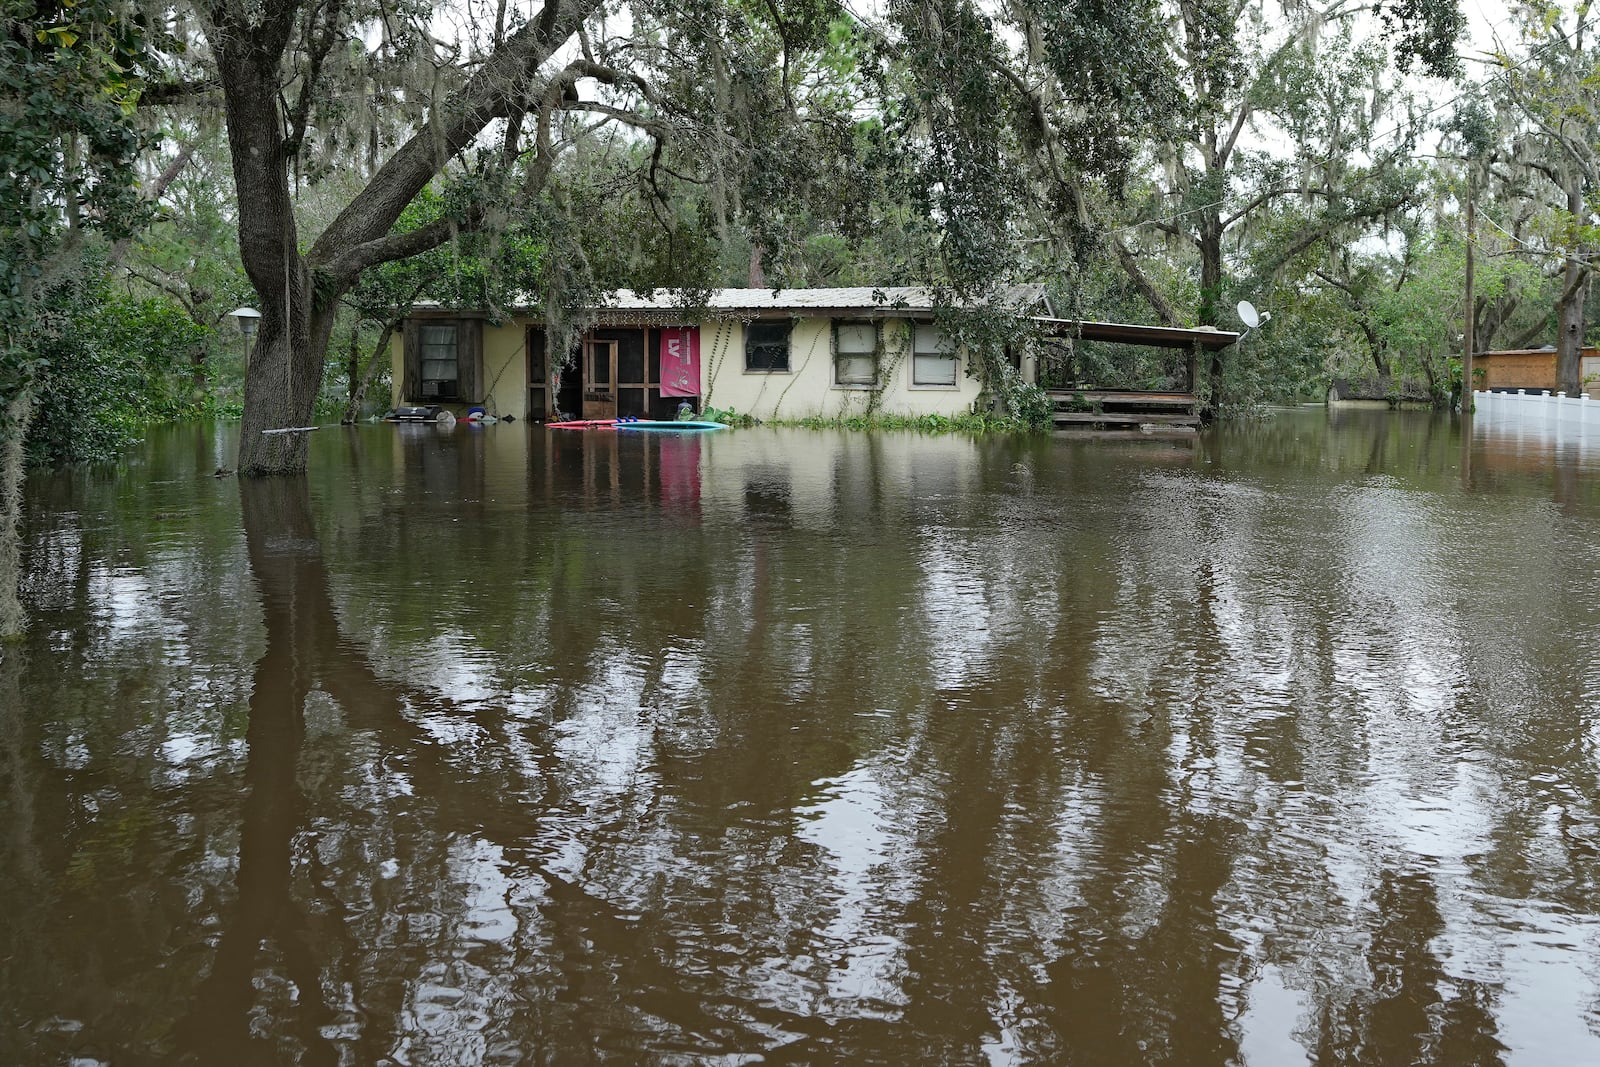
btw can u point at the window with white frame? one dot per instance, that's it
(933, 357)
(855, 354)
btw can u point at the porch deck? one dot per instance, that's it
(1124, 410)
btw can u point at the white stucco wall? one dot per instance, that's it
(505, 369)
(807, 388)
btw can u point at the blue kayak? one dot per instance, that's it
(663, 424)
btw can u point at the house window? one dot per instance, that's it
(855, 354)
(766, 346)
(443, 361)
(441, 367)
(933, 357)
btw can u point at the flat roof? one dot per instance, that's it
(1134, 334)
(676, 305)
(883, 299)
(671, 307)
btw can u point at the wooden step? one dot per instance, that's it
(1127, 401)
(1125, 418)
(1129, 433)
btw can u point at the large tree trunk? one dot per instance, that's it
(285, 368)
(281, 386)
(1569, 312)
(1210, 248)
(17, 418)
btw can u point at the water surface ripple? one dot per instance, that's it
(505, 746)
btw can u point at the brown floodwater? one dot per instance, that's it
(501, 746)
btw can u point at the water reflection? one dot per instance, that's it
(509, 746)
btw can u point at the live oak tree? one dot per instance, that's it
(1258, 79)
(1551, 87)
(270, 60)
(1023, 124)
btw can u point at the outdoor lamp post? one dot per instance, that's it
(247, 319)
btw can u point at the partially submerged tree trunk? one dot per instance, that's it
(1569, 309)
(1210, 247)
(17, 418)
(285, 367)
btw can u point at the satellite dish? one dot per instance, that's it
(1248, 314)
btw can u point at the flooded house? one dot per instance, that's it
(773, 354)
(789, 353)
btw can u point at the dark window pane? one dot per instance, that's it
(766, 346)
(630, 403)
(536, 369)
(599, 363)
(630, 359)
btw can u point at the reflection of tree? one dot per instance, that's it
(314, 926)
(287, 564)
(1146, 777)
(1404, 1017)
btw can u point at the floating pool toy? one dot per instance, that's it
(633, 424)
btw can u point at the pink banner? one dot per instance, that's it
(680, 361)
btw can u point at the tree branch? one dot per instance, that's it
(1141, 281)
(1245, 111)
(317, 49)
(346, 268)
(495, 90)
(157, 190)
(182, 91)
(1271, 194)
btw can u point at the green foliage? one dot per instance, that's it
(728, 417)
(109, 365)
(1426, 32)
(477, 268)
(69, 82)
(928, 424)
(70, 77)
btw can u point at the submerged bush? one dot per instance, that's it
(929, 424)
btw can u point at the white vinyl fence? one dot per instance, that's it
(1559, 415)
